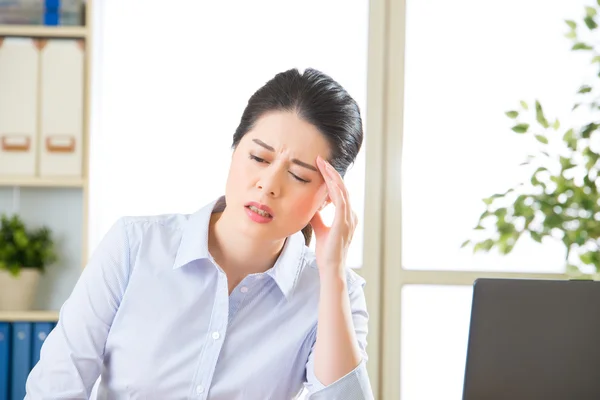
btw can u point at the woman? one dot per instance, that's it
(229, 303)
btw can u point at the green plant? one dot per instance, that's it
(22, 248)
(561, 199)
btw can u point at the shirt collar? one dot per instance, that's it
(289, 264)
(194, 240)
(194, 246)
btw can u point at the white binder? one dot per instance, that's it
(18, 106)
(62, 79)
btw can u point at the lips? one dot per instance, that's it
(260, 209)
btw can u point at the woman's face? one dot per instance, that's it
(274, 168)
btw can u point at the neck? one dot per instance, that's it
(236, 253)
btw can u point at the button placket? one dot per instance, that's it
(217, 329)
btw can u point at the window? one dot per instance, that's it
(460, 65)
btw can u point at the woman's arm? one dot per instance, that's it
(342, 320)
(71, 357)
(336, 349)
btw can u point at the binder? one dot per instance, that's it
(19, 68)
(5, 344)
(20, 359)
(62, 79)
(41, 330)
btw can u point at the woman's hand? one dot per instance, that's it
(333, 242)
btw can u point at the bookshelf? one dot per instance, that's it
(69, 195)
(42, 182)
(29, 316)
(75, 32)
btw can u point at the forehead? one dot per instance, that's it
(286, 131)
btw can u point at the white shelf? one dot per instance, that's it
(43, 31)
(42, 182)
(29, 316)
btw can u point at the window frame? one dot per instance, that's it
(383, 203)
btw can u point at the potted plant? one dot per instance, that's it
(561, 199)
(24, 255)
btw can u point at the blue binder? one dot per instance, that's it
(5, 344)
(41, 330)
(21, 359)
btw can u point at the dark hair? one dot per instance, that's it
(320, 101)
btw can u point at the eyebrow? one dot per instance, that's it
(294, 160)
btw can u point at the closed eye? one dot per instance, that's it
(261, 160)
(298, 178)
(257, 159)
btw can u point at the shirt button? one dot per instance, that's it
(244, 289)
(216, 335)
(199, 389)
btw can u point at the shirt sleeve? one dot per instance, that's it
(355, 385)
(71, 356)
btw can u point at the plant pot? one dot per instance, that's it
(18, 293)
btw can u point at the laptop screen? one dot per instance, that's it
(534, 339)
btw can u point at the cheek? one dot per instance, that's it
(306, 204)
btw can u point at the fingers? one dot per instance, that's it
(337, 192)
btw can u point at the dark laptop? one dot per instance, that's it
(534, 340)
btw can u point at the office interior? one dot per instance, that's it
(465, 105)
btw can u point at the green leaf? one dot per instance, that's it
(486, 245)
(596, 59)
(520, 128)
(536, 236)
(524, 105)
(556, 125)
(566, 163)
(541, 139)
(575, 107)
(465, 244)
(590, 11)
(572, 24)
(571, 269)
(581, 46)
(588, 258)
(585, 89)
(539, 115)
(571, 35)
(590, 23)
(512, 114)
(586, 132)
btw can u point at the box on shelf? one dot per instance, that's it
(61, 147)
(41, 107)
(18, 106)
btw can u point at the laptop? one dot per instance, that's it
(533, 340)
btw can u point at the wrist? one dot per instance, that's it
(334, 275)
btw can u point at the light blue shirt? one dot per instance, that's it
(152, 315)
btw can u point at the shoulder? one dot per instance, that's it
(138, 226)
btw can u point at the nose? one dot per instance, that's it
(269, 182)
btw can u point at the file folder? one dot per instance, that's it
(19, 68)
(5, 344)
(62, 87)
(20, 359)
(41, 330)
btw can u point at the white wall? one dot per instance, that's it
(170, 83)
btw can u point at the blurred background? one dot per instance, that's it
(455, 97)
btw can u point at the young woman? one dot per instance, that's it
(229, 303)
